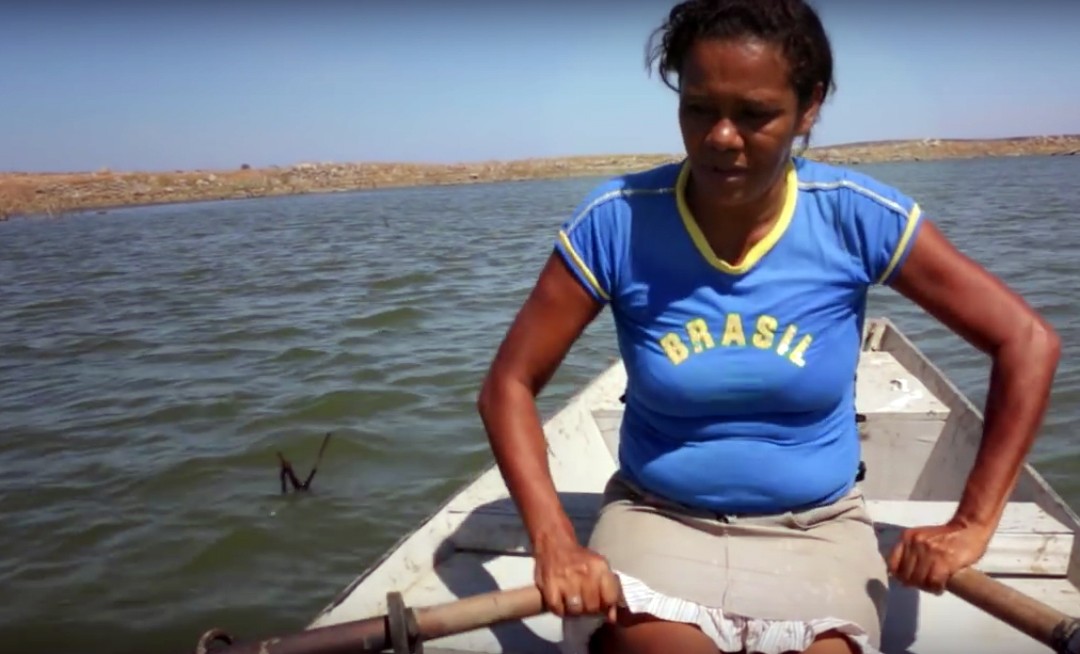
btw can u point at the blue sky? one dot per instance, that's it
(161, 86)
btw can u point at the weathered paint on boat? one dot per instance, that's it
(919, 440)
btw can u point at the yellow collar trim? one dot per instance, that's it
(761, 248)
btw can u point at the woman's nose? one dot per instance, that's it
(724, 135)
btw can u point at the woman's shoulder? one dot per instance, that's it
(594, 238)
(612, 202)
(658, 180)
(850, 188)
(875, 222)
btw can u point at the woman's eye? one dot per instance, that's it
(758, 114)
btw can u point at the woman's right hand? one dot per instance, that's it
(576, 581)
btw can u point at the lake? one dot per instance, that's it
(155, 359)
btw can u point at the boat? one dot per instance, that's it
(919, 438)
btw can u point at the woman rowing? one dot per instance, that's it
(738, 280)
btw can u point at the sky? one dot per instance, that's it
(159, 85)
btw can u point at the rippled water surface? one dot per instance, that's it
(154, 360)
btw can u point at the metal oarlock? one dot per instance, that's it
(403, 629)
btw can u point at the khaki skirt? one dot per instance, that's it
(765, 584)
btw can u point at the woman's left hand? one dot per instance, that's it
(926, 557)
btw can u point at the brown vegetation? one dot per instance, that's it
(55, 193)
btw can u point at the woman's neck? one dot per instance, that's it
(763, 209)
(732, 229)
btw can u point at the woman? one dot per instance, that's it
(738, 281)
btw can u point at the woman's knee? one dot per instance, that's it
(645, 634)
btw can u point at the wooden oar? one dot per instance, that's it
(396, 631)
(1044, 623)
(401, 628)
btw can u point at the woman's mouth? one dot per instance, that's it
(727, 172)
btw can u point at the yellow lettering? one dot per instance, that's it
(766, 332)
(674, 348)
(700, 338)
(733, 331)
(796, 356)
(785, 342)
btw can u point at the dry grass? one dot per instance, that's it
(56, 193)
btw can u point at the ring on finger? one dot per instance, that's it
(574, 601)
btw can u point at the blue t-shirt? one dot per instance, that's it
(741, 379)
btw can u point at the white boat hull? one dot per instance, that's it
(919, 441)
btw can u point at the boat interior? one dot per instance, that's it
(919, 437)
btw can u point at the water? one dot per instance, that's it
(154, 360)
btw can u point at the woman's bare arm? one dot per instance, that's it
(1025, 351)
(1024, 348)
(554, 315)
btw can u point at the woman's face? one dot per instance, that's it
(739, 116)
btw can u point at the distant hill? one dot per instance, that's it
(55, 193)
(929, 149)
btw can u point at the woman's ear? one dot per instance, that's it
(809, 114)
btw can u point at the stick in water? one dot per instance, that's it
(287, 470)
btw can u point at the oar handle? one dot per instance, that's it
(479, 611)
(398, 629)
(1044, 623)
(1049, 626)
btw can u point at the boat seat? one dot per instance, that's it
(1028, 541)
(496, 528)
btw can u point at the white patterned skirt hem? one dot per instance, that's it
(731, 633)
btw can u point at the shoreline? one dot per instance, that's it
(53, 194)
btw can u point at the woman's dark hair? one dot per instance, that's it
(791, 24)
